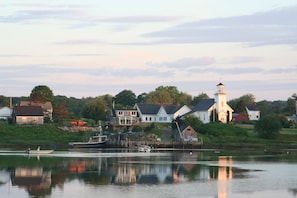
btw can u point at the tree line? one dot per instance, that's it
(99, 108)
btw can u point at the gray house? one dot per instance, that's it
(5, 113)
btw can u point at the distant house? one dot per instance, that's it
(160, 113)
(149, 113)
(173, 111)
(208, 110)
(5, 113)
(28, 115)
(186, 134)
(47, 107)
(125, 117)
(253, 112)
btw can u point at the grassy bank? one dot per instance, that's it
(14, 136)
(32, 136)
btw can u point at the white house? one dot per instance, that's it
(5, 113)
(149, 113)
(208, 110)
(174, 111)
(253, 112)
(125, 117)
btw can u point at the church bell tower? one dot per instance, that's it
(221, 103)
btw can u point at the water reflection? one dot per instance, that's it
(46, 175)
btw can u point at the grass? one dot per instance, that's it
(20, 136)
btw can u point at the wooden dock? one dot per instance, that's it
(155, 144)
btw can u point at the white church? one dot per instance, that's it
(215, 109)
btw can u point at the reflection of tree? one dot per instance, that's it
(194, 172)
(92, 177)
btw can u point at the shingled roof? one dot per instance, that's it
(252, 108)
(203, 105)
(150, 109)
(171, 109)
(28, 111)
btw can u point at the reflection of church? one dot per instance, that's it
(224, 174)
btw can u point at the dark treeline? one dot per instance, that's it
(99, 108)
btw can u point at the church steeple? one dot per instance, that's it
(221, 103)
(220, 87)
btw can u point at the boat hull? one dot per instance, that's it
(41, 152)
(87, 145)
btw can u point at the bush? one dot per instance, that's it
(268, 126)
(219, 129)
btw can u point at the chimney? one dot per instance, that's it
(10, 102)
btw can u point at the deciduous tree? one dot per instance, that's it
(42, 93)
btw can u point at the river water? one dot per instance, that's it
(107, 173)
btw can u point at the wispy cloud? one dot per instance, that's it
(81, 42)
(141, 19)
(245, 59)
(288, 70)
(23, 16)
(186, 62)
(266, 28)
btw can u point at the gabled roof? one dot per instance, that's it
(28, 111)
(252, 108)
(171, 109)
(151, 109)
(44, 105)
(203, 105)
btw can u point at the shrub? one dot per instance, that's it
(268, 126)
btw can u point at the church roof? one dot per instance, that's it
(203, 105)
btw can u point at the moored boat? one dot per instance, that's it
(38, 151)
(95, 141)
(144, 148)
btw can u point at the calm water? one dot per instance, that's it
(101, 173)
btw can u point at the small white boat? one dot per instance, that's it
(38, 151)
(144, 148)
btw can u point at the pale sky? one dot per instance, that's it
(82, 48)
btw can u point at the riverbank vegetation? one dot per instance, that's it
(213, 135)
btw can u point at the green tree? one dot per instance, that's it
(198, 98)
(167, 95)
(291, 105)
(268, 126)
(141, 98)
(125, 98)
(193, 121)
(96, 109)
(239, 104)
(42, 93)
(4, 101)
